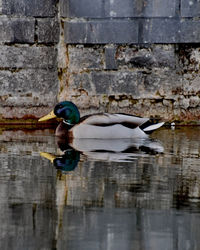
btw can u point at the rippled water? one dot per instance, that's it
(93, 194)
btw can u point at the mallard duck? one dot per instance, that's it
(99, 126)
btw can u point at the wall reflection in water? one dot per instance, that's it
(87, 194)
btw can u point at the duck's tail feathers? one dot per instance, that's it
(153, 127)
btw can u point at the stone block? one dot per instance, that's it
(27, 57)
(94, 32)
(190, 8)
(48, 30)
(140, 8)
(27, 93)
(189, 31)
(116, 83)
(137, 84)
(102, 82)
(117, 8)
(146, 57)
(164, 56)
(36, 8)
(84, 58)
(160, 31)
(86, 8)
(110, 61)
(17, 30)
(27, 87)
(120, 8)
(80, 82)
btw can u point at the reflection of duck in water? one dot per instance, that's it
(117, 150)
(99, 126)
(66, 162)
(122, 150)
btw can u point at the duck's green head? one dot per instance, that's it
(65, 110)
(68, 111)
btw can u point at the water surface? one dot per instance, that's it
(93, 194)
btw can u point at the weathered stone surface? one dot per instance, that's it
(182, 103)
(189, 63)
(86, 8)
(140, 8)
(26, 88)
(165, 56)
(17, 30)
(189, 32)
(43, 8)
(145, 31)
(191, 86)
(116, 83)
(117, 8)
(81, 82)
(147, 57)
(110, 61)
(48, 30)
(194, 101)
(160, 31)
(27, 57)
(83, 58)
(190, 8)
(28, 75)
(137, 84)
(26, 110)
(125, 31)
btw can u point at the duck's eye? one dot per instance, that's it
(60, 110)
(59, 106)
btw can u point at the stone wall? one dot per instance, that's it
(139, 57)
(135, 56)
(29, 32)
(130, 21)
(155, 80)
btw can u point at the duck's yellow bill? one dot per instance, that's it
(51, 115)
(48, 156)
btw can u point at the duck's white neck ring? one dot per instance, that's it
(65, 122)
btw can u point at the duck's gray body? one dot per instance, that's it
(112, 126)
